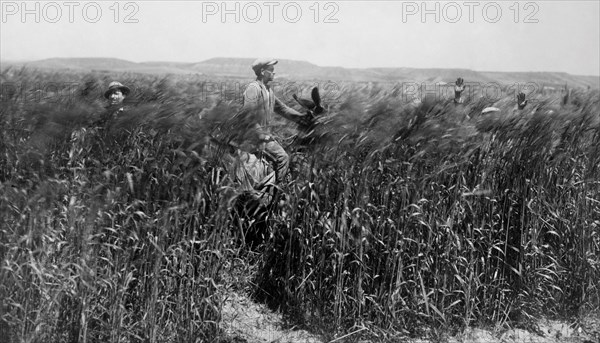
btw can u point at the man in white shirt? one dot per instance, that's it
(259, 104)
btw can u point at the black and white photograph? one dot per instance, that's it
(305, 171)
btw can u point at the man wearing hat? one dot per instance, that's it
(259, 104)
(115, 94)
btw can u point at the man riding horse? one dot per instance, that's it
(254, 148)
(259, 104)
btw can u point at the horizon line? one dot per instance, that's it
(287, 59)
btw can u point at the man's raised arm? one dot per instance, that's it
(290, 113)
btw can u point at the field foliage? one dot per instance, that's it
(399, 216)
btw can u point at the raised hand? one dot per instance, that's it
(521, 101)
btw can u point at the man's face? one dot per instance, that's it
(268, 74)
(116, 97)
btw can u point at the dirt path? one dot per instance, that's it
(248, 322)
(256, 323)
(549, 332)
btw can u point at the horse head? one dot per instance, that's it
(316, 111)
(313, 105)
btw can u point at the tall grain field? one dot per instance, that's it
(398, 217)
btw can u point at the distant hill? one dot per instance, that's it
(82, 64)
(556, 79)
(301, 70)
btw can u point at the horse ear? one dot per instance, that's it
(308, 104)
(316, 97)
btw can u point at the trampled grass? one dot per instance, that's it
(398, 217)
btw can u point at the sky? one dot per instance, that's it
(561, 36)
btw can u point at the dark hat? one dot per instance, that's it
(262, 63)
(116, 85)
